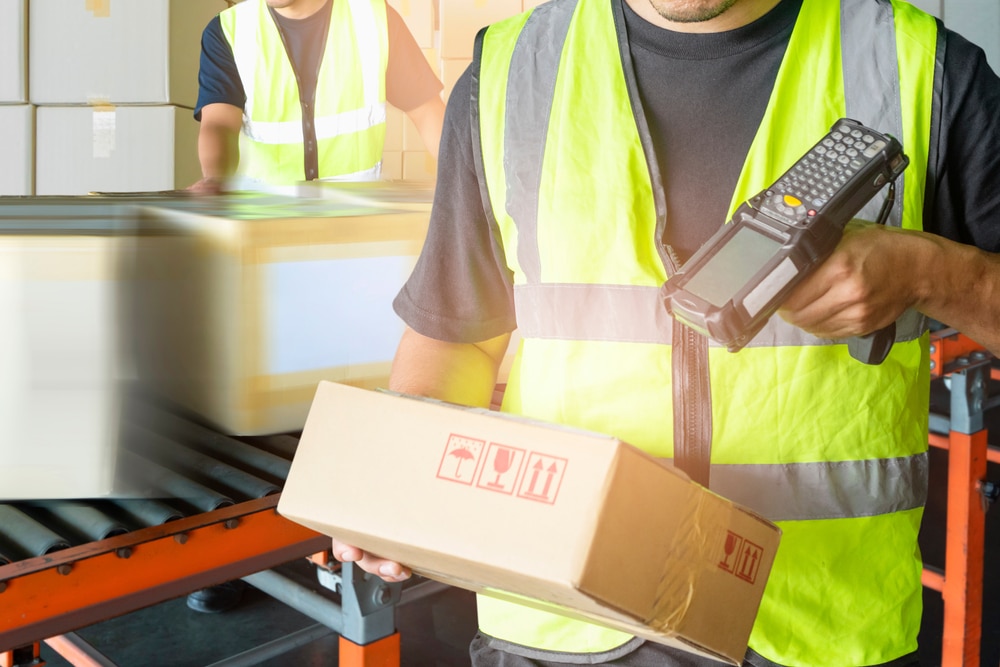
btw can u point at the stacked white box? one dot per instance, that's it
(82, 149)
(13, 52)
(133, 52)
(17, 131)
(115, 83)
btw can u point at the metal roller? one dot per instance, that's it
(167, 483)
(83, 518)
(210, 442)
(146, 511)
(27, 535)
(207, 470)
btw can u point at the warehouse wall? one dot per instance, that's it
(96, 95)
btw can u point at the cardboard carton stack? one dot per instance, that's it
(16, 115)
(114, 84)
(446, 31)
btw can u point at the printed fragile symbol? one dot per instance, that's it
(460, 459)
(543, 478)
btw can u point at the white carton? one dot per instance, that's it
(125, 52)
(13, 52)
(83, 149)
(17, 133)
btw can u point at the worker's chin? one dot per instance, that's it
(691, 11)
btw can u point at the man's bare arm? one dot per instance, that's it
(877, 272)
(463, 373)
(428, 119)
(218, 146)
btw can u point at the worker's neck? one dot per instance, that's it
(297, 9)
(734, 14)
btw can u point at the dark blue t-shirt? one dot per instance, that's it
(410, 81)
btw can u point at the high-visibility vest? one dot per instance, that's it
(833, 450)
(349, 114)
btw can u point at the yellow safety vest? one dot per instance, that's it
(833, 450)
(349, 114)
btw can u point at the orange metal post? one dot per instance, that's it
(382, 653)
(23, 657)
(962, 587)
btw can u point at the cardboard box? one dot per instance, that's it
(58, 390)
(418, 15)
(104, 52)
(243, 307)
(451, 70)
(61, 346)
(115, 149)
(419, 167)
(17, 159)
(13, 52)
(460, 20)
(521, 509)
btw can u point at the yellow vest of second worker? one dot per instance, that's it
(831, 449)
(349, 114)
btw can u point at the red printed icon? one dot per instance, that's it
(460, 459)
(542, 478)
(502, 467)
(742, 557)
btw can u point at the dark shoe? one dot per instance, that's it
(216, 599)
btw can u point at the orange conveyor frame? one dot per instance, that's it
(43, 598)
(961, 582)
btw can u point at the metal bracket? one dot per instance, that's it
(369, 603)
(969, 385)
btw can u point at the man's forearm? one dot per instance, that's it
(959, 285)
(463, 373)
(218, 152)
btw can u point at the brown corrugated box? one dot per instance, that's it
(240, 308)
(535, 512)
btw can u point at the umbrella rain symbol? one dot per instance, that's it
(462, 454)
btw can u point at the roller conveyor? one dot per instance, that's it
(68, 564)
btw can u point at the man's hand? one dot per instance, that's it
(864, 285)
(207, 186)
(388, 570)
(876, 272)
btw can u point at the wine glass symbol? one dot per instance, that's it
(730, 548)
(501, 464)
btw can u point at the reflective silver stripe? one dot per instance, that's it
(290, 132)
(530, 92)
(246, 47)
(635, 314)
(366, 33)
(373, 174)
(830, 490)
(868, 39)
(868, 45)
(626, 313)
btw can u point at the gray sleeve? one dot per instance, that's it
(459, 291)
(964, 197)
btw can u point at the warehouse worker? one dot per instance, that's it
(296, 90)
(596, 143)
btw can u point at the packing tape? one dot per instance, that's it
(104, 129)
(101, 9)
(677, 586)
